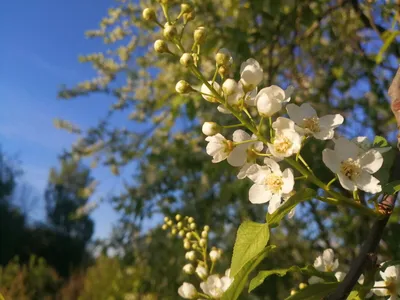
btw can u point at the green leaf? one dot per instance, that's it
(234, 291)
(251, 238)
(315, 291)
(388, 159)
(388, 39)
(308, 270)
(354, 295)
(392, 187)
(274, 219)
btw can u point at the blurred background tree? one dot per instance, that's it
(340, 55)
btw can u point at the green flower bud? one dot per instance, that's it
(183, 87)
(181, 233)
(189, 17)
(191, 220)
(293, 292)
(186, 8)
(164, 227)
(166, 219)
(200, 35)
(186, 245)
(189, 235)
(204, 234)
(179, 225)
(302, 285)
(178, 217)
(149, 14)
(207, 228)
(186, 59)
(202, 242)
(169, 223)
(223, 57)
(170, 31)
(173, 231)
(161, 46)
(193, 226)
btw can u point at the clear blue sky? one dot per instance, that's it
(40, 42)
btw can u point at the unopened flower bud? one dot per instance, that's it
(204, 234)
(186, 59)
(187, 291)
(169, 223)
(223, 57)
(164, 227)
(206, 228)
(292, 292)
(166, 219)
(215, 255)
(179, 225)
(200, 35)
(170, 31)
(161, 46)
(178, 217)
(189, 17)
(210, 128)
(302, 285)
(149, 14)
(201, 272)
(223, 71)
(195, 246)
(193, 226)
(188, 269)
(191, 255)
(186, 8)
(181, 233)
(188, 235)
(183, 87)
(165, 1)
(202, 242)
(173, 231)
(186, 245)
(229, 87)
(190, 220)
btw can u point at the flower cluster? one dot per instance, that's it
(201, 260)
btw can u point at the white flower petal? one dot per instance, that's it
(371, 161)
(331, 121)
(258, 194)
(380, 291)
(282, 123)
(274, 203)
(319, 264)
(324, 134)
(288, 181)
(223, 109)
(346, 149)
(346, 182)
(238, 156)
(273, 165)
(240, 135)
(251, 72)
(258, 173)
(266, 105)
(243, 171)
(340, 276)
(209, 96)
(368, 183)
(330, 160)
(328, 256)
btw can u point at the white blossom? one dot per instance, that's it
(216, 286)
(286, 142)
(188, 269)
(187, 291)
(210, 128)
(270, 100)
(243, 153)
(390, 286)
(354, 166)
(251, 73)
(270, 184)
(309, 123)
(233, 93)
(218, 147)
(207, 94)
(201, 272)
(326, 262)
(215, 255)
(190, 255)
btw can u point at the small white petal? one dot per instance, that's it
(240, 135)
(258, 194)
(238, 156)
(209, 96)
(330, 160)
(273, 165)
(371, 161)
(319, 264)
(222, 109)
(251, 72)
(243, 171)
(274, 203)
(340, 276)
(324, 134)
(328, 256)
(346, 149)
(331, 121)
(266, 105)
(368, 183)
(380, 291)
(282, 123)
(346, 182)
(288, 181)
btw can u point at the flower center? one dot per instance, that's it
(312, 124)
(282, 145)
(350, 168)
(391, 287)
(274, 183)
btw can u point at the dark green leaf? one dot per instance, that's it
(241, 278)
(274, 219)
(251, 238)
(392, 187)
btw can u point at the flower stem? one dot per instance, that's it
(330, 183)
(232, 126)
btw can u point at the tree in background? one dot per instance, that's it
(330, 51)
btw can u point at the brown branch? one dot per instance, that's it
(367, 256)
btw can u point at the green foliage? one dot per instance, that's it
(241, 278)
(315, 291)
(388, 37)
(392, 187)
(388, 158)
(308, 270)
(274, 219)
(251, 238)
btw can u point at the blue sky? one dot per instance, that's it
(40, 43)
